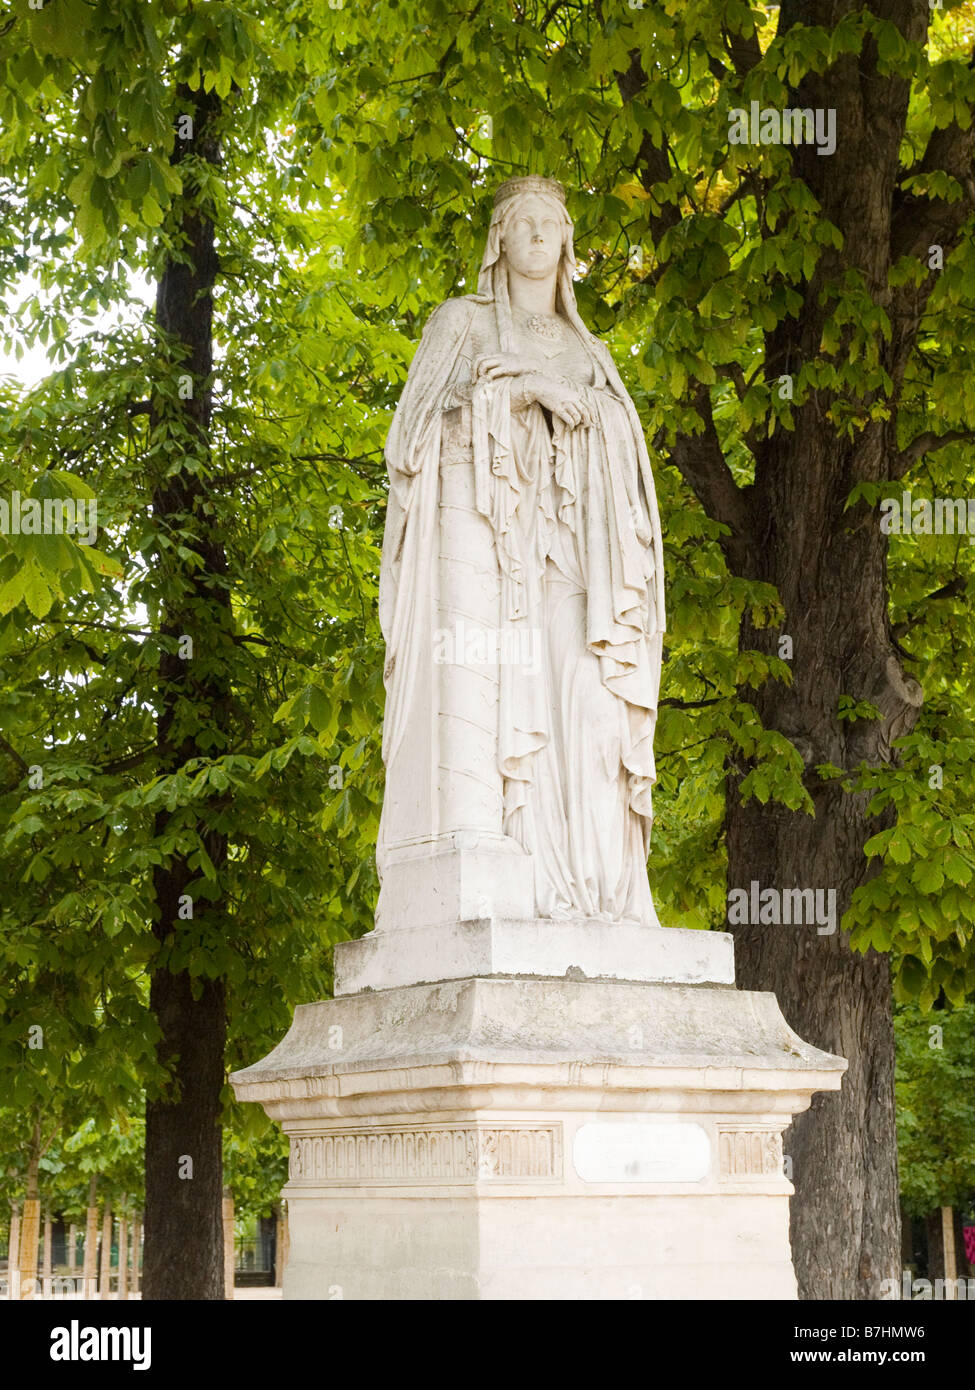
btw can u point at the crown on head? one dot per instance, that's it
(532, 183)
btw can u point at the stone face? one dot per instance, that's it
(539, 1138)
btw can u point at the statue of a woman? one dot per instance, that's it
(521, 599)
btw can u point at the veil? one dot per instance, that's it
(492, 280)
(492, 288)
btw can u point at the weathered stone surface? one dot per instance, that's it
(459, 950)
(480, 1030)
(491, 1139)
(456, 879)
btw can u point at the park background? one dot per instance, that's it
(222, 232)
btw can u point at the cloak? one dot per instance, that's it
(582, 500)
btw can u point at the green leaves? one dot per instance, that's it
(46, 550)
(912, 977)
(353, 196)
(936, 1106)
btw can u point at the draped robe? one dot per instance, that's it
(568, 520)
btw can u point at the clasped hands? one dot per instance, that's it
(566, 403)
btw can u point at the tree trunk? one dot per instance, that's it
(89, 1269)
(13, 1253)
(845, 1216)
(281, 1244)
(830, 576)
(907, 1241)
(72, 1250)
(105, 1275)
(791, 529)
(943, 1258)
(184, 1169)
(123, 1255)
(47, 1269)
(961, 1256)
(30, 1228)
(136, 1251)
(229, 1251)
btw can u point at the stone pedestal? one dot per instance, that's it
(530, 1123)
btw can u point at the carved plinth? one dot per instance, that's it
(486, 947)
(454, 879)
(539, 1138)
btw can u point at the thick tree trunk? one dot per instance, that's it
(845, 1228)
(184, 1177)
(829, 567)
(845, 1216)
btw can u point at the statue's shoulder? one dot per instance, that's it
(603, 355)
(597, 344)
(453, 315)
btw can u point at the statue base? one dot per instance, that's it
(486, 947)
(539, 1138)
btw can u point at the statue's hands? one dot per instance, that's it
(567, 403)
(503, 364)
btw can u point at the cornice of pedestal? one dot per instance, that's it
(517, 1044)
(486, 1087)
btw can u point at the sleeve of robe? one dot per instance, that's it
(407, 584)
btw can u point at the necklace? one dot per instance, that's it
(546, 326)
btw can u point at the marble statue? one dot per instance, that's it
(520, 1089)
(521, 593)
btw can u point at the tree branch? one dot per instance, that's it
(550, 14)
(701, 462)
(652, 164)
(926, 443)
(919, 222)
(127, 763)
(744, 50)
(690, 704)
(734, 373)
(13, 755)
(369, 477)
(955, 588)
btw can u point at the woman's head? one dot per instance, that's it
(531, 233)
(530, 229)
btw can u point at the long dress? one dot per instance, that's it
(573, 812)
(556, 752)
